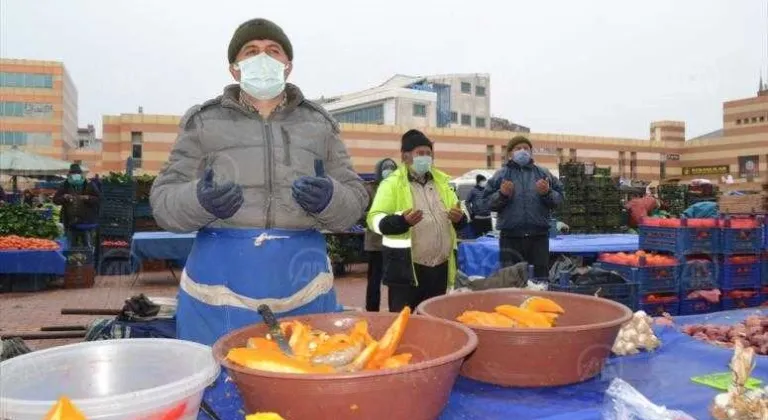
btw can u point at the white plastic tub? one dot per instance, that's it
(129, 379)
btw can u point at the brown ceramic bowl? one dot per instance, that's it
(417, 391)
(572, 352)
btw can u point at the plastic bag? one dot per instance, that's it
(626, 403)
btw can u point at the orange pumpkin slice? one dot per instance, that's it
(64, 410)
(540, 304)
(274, 361)
(391, 339)
(261, 343)
(397, 361)
(524, 317)
(486, 319)
(264, 416)
(552, 318)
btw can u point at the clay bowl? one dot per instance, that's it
(417, 391)
(572, 352)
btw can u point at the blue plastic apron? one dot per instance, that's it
(230, 271)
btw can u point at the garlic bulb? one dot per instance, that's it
(637, 334)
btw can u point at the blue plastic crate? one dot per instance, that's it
(699, 275)
(658, 309)
(742, 241)
(142, 210)
(650, 279)
(680, 240)
(26, 283)
(740, 276)
(626, 294)
(764, 271)
(698, 306)
(741, 303)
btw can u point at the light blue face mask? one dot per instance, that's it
(262, 76)
(422, 164)
(76, 178)
(521, 157)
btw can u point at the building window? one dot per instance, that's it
(20, 138)
(368, 115)
(466, 119)
(480, 122)
(572, 154)
(633, 165)
(466, 87)
(560, 156)
(26, 80)
(454, 117)
(25, 110)
(489, 156)
(738, 122)
(137, 137)
(503, 154)
(39, 139)
(762, 119)
(479, 90)
(622, 163)
(662, 166)
(419, 110)
(754, 120)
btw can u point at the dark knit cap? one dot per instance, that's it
(517, 140)
(258, 29)
(413, 139)
(480, 177)
(75, 169)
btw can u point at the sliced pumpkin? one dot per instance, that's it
(261, 343)
(362, 359)
(524, 317)
(540, 304)
(64, 410)
(274, 361)
(486, 319)
(396, 361)
(391, 339)
(552, 318)
(360, 333)
(264, 416)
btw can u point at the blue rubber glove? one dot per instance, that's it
(313, 193)
(221, 200)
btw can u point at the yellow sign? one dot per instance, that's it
(707, 170)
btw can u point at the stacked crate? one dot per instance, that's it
(741, 267)
(753, 199)
(592, 200)
(675, 196)
(116, 224)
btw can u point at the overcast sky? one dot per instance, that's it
(588, 67)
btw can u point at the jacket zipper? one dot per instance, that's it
(268, 155)
(286, 147)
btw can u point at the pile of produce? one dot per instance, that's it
(636, 335)
(64, 409)
(117, 178)
(638, 259)
(15, 242)
(24, 221)
(739, 403)
(143, 187)
(743, 259)
(318, 352)
(753, 332)
(115, 243)
(534, 312)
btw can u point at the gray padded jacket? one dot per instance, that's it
(264, 157)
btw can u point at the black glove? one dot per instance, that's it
(221, 200)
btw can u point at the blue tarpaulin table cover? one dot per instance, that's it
(162, 246)
(34, 262)
(662, 376)
(481, 257)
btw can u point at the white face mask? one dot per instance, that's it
(262, 76)
(482, 184)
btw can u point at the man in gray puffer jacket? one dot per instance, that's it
(257, 172)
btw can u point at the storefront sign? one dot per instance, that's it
(706, 170)
(748, 166)
(544, 151)
(673, 156)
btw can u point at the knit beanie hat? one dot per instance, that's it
(258, 29)
(517, 140)
(413, 139)
(480, 177)
(75, 169)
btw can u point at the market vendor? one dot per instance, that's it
(417, 213)
(640, 207)
(372, 244)
(702, 210)
(524, 195)
(257, 171)
(478, 208)
(79, 201)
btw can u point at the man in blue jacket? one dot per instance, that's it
(524, 195)
(478, 210)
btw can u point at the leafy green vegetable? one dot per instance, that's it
(24, 221)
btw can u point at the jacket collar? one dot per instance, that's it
(436, 175)
(293, 98)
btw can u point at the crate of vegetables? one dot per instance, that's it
(699, 274)
(659, 304)
(741, 236)
(740, 272)
(612, 286)
(653, 273)
(680, 236)
(741, 298)
(698, 306)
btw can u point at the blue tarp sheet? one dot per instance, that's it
(481, 257)
(162, 246)
(662, 376)
(34, 262)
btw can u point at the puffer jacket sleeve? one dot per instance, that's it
(494, 199)
(174, 193)
(349, 198)
(382, 216)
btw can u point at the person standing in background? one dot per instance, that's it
(417, 213)
(382, 170)
(524, 195)
(79, 201)
(478, 208)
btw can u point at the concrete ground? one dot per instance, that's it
(28, 312)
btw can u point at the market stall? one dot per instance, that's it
(481, 257)
(663, 376)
